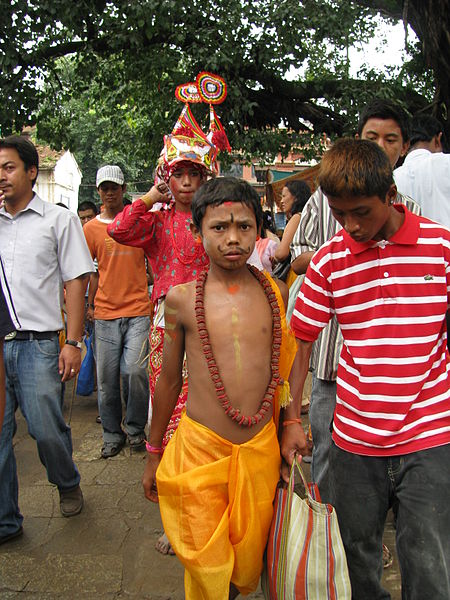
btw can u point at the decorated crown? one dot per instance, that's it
(188, 142)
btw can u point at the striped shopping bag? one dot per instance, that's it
(305, 557)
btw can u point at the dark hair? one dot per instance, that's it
(380, 108)
(224, 189)
(301, 192)
(424, 128)
(267, 224)
(354, 167)
(62, 204)
(88, 205)
(25, 149)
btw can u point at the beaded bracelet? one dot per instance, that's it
(291, 422)
(153, 449)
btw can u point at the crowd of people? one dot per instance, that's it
(207, 373)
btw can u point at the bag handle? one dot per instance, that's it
(296, 463)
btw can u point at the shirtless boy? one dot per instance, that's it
(217, 478)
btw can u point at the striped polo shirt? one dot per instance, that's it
(317, 226)
(390, 299)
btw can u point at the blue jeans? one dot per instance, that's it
(34, 384)
(416, 486)
(121, 350)
(321, 411)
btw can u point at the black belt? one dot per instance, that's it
(31, 335)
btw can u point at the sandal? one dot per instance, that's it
(137, 442)
(111, 449)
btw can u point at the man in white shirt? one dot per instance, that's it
(425, 174)
(43, 250)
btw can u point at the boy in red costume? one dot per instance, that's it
(185, 162)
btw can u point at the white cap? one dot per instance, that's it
(110, 173)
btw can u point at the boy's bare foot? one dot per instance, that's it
(234, 592)
(163, 545)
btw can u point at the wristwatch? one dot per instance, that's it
(74, 343)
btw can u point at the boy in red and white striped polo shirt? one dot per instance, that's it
(386, 276)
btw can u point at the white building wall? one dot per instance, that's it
(60, 183)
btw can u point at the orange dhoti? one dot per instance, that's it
(216, 505)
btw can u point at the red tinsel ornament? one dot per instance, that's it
(220, 140)
(185, 131)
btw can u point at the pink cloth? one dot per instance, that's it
(266, 249)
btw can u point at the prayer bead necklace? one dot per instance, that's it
(235, 413)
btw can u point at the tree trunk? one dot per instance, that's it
(430, 21)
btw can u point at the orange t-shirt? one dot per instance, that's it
(122, 284)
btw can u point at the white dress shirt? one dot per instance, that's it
(425, 177)
(42, 247)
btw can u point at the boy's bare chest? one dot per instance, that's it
(248, 319)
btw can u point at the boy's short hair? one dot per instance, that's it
(424, 128)
(87, 205)
(25, 149)
(355, 167)
(224, 189)
(380, 108)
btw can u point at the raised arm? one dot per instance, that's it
(167, 389)
(283, 249)
(134, 226)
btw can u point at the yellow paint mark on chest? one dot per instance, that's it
(236, 342)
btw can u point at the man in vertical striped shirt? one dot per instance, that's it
(386, 277)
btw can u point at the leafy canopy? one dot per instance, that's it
(99, 77)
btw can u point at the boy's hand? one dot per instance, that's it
(293, 441)
(90, 314)
(158, 193)
(149, 477)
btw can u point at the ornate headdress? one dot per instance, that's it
(188, 142)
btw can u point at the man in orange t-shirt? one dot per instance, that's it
(122, 322)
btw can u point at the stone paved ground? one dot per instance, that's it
(107, 552)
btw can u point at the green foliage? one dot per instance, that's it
(99, 77)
